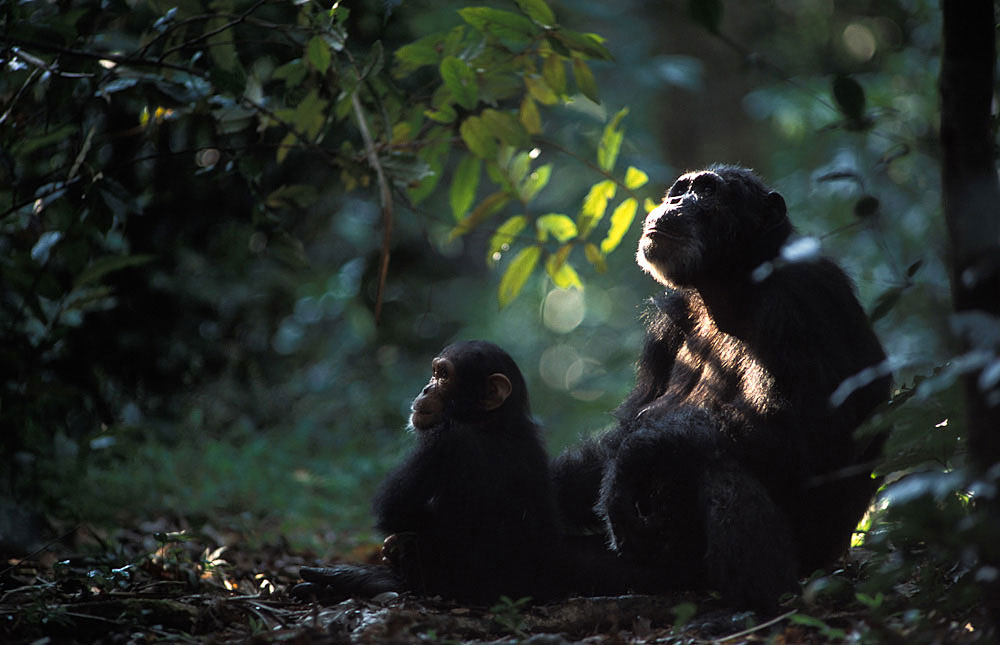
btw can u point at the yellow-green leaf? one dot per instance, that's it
(535, 182)
(611, 142)
(621, 221)
(505, 127)
(461, 80)
(585, 81)
(562, 272)
(538, 11)
(517, 274)
(595, 257)
(635, 178)
(648, 205)
(530, 117)
(554, 73)
(318, 53)
(594, 206)
(559, 226)
(501, 240)
(478, 138)
(480, 213)
(286, 146)
(540, 90)
(464, 185)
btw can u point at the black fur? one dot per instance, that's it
(470, 512)
(728, 467)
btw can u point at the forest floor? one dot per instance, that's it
(153, 584)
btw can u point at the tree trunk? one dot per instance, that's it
(971, 196)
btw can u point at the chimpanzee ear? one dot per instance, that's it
(498, 388)
(776, 202)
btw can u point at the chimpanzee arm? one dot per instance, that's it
(403, 501)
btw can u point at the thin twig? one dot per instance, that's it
(386, 198)
(756, 628)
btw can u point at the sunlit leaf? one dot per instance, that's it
(594, 206)
(536, 181)
(287, 143)
(585, 81)
(611, 142)
(648, 205)
(517, 274)
(480, 213)
(505, 234)
(561, 271)
(464, 185)
(530, 117)
(538, 11)
(621, 221)
(595, 257)
(559, 226)
(461, 80)
(635, 178)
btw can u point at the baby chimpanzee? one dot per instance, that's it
(470, 513)
(729, 467)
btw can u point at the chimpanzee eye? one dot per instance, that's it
(705, 185)
(679, 188)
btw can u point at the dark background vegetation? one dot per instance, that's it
(192, 319)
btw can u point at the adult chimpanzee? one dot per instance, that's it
(470, 513)
(729, 468)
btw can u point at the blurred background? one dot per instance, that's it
(228, 366)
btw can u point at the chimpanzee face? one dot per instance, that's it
(712, 223)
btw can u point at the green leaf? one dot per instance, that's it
(426, 51)
(648, 205)
(554, 73)
(478, 138)
(505, 234)
(102, 266)
(310, 115)
(517, 274)
(480, 214)
(291, 72)
(635, 178)
(594, 206)
(621, 221)
(611, 142)
(585, 81)
(530, 117)
(536, 181)
(287, 144)
(590, 45)
(538, 11)
(461, 80)
(850, 97)
(559, 226)
(707, 13)
(464, 185)
(505, 25)
(445, 114)
(318, 53)
(595, 257)
(505, 127)
(540, 90)
(295, 195)
(562, 273)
